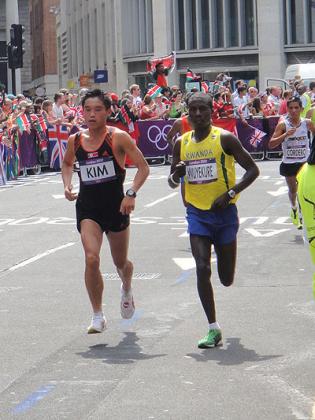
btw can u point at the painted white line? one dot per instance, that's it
(161, 199)
(265, 233)
(188, 263)
(39, 256)
(280, 191)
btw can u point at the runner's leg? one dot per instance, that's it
(226, 260)
(292, 185)
(119, 243)
(201, 250)
(92, 237)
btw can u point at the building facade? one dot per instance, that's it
(250, 39)
(14, 11)
(44, 46)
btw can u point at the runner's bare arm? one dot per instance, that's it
(311, 126)
(123, 146)
(67, 170)
(176, 128)
(178, 168)
(232, 146)
(279, 135)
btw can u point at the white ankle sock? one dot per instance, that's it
(214, 326)
(124, 293)
(98, 314)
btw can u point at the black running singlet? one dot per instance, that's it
(101, 177)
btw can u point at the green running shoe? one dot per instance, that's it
(212, 339)
(294, 217)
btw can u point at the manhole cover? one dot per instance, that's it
(136, 276)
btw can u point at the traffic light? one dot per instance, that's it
(15, 48)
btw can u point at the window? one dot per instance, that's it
(249, 23)
(285, 21)
(181, 22)
(311, 21)
(218, 23)
(205, 24)
(95, 29)
(192, 13)
(233, 23)
(297, 22)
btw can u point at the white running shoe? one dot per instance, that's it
(127, 306)
(98, 324)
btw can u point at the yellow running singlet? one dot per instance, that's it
(210, 172)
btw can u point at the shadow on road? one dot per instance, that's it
(234, 354)
(127, 351)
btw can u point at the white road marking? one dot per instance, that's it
(259, 220)
(161, 199)
(283, 221)
(299, 402)
(280, 191)
(188, 263)
(39, 256)
(265, 233)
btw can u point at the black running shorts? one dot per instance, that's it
(112, 221)
(290, 169)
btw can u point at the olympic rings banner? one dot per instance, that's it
(152, 141)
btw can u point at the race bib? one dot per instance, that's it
(97, 171)
(201, 171)
(296, 150)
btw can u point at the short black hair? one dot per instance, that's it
(58, 96)
(201, 96)
(241, 89)
(295, 99)
(312, 85)
(97, 93)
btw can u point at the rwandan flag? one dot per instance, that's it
(155, 90)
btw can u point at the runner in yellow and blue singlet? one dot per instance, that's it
(206, 157)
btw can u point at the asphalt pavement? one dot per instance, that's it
(149, 367)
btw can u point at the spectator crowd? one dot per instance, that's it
(18, 113)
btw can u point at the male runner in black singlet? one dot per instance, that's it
(101, 203)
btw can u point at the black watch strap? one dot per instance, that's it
(131, 193)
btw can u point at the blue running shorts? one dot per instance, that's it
(220, 226)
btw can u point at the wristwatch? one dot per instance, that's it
(232, 193)
(131, 193)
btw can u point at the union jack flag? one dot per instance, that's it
(58, 138)
(256, 136)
